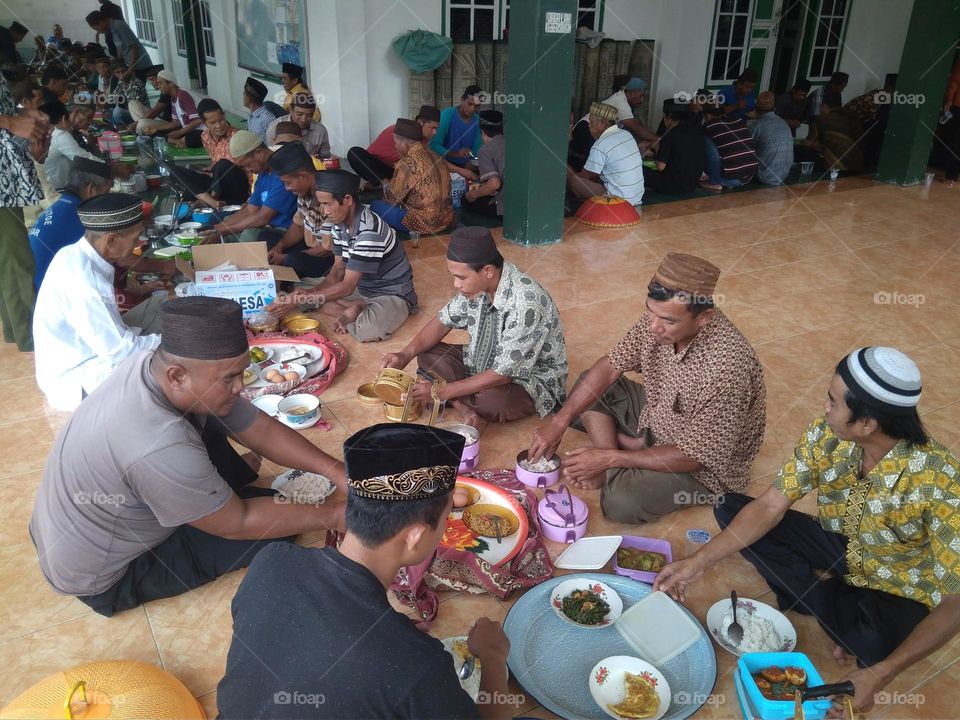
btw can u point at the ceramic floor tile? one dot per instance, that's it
(16, 497)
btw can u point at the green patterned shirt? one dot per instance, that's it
(901, 521)
(518, 335)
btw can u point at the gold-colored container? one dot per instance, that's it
(301, 325)
(394, 413)
(391, 384)
(366, 395)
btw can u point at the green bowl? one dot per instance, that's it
(128, 159)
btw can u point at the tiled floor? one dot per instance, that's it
(809, 272)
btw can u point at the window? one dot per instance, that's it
(588, 15)
(207, 27)
(178, 27)
(730, 39)
(826, 42)
(471, 19)
(146, 27)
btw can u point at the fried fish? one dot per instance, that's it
(641, 700)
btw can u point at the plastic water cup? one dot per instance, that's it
(928, 179)
(834, 174)
(806, 168)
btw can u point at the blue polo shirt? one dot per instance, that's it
(730, 96)
(58, 226)
(268, 191)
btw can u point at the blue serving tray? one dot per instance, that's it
(552, 660)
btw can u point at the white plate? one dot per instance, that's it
(268, 403)
(255, 369)
(268, 351)
(300, 370)
(747, 608)
(297, 427)
(313, 354)
(589, 553)
(472, 683)
(606, 592)
(191, 225)
(314, 368)
(607, 683)
(283, 478)
(231, 208)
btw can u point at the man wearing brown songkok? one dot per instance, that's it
(143, 497)
(692, 430)
(417, 198)
(515, 363)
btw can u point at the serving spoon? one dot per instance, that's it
(735, 631)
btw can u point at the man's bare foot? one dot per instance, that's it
(349, 315)
(842, 656)
(253, 460)
(590, 483)
(469, 417)
(628, 442)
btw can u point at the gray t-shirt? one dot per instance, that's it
(125, 40)
(126, 471)
(491, 158)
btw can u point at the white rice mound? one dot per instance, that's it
(307, 489)
(543, 465)
(759, 635)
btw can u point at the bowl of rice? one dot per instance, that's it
(765, 629)
(542, 473)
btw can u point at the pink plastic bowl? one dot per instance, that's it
(641, 543)
(537, 480)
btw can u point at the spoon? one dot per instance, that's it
(496, 525)
(735, 631)
(466, 670)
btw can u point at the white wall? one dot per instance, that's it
(874, 43)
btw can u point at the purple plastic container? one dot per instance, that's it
(563, 516)
(642, 543)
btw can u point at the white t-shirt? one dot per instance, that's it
(63, 149)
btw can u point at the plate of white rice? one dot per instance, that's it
(303, 488)
(765, 629)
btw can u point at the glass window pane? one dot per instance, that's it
(459, 24)
(743, 6)
(734, 60)
(826, 8)
(840, 7)
(724, 25)
(587, 19)
(835, 31)
(718, 69)
(587, 4)
(727, 6)
(816, 64)
(483, 2)
(739, 32)
(829, 62)
(823, 31)
(483, 24)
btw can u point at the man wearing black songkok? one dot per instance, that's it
(143, 497)
(515, 363)
(400, 483)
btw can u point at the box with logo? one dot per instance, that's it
(253, 283)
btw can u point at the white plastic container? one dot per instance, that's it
(657, 628)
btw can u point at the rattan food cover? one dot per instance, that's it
(114, 689)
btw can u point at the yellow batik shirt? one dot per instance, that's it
(901, 521)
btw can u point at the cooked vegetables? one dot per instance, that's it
(585, 607)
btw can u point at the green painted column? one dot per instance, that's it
(921, 81)
(540, 81)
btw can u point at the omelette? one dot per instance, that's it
(641, 700)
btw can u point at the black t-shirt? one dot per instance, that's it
(681, 148)
(111, 10)
(315, 637)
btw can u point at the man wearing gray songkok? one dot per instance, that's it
(515, 363)
(143, 496)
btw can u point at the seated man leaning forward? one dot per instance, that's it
(614, 166)
(143, 497)
(691, 431)
(878, 566)
(319, 618)
(80, 335)
(515, 363)
(369, 289)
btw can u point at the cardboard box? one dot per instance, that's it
(253, 284)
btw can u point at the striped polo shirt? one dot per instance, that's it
(616, 158)
(735, 145)
(369, 246)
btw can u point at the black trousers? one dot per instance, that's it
(367, 166)
(483, 206)
(304, 264)
(188, 558)
(226, 181)
(869, 624)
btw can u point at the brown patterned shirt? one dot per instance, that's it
(421, 184)
(709, 399)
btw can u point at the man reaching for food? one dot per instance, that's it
(143, 497)
(319, 621)
(691, 431)
(878, 566)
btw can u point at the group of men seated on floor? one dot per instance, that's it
(723, 139)
(155, 402)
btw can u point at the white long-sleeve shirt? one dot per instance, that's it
(63, 149)
(78, 333)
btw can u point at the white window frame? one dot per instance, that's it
(597, 11)
(206, 27)
(744, 49)
(832, 42)
(145, 22)
(474, 6)
(178, 30)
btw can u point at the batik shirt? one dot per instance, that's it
(518, 335)
(421, 184)
(19, 186)
(901, 521)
